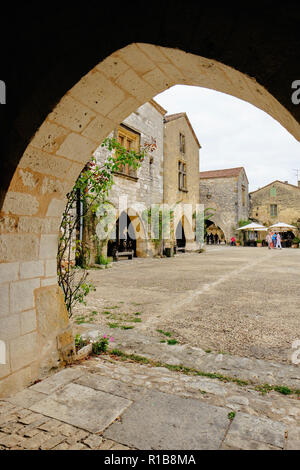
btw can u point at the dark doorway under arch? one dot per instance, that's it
(125, 237)
(214, 235)
(180, 237)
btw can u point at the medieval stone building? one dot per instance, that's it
(181, 181)
(226, 192)
(277, 201)
(134, 191)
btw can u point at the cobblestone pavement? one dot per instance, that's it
(106, 403)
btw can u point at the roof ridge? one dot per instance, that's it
(172, 117)
(223, 172)
(275, 181)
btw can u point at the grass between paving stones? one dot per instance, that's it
(170, 341)
(185, 370)
(231, 415)
(113, 325)
(121, 320)
(265, 388)
(117, 325)
(166, 333)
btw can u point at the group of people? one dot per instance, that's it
(274, 240)
(213, 239)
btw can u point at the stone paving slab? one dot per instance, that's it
(273, 405)
(83, 407)
(26, 398)
(139, 406)
(56, 381)
(162, 421)
(253, 432)
(108, 385)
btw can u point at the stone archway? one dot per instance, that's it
(225, 226)
(33, 318)
(213, 229)
(184, 233)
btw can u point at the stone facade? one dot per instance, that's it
(147, 186)
(156, 181)
(138, 189)
(276, 202)
(226, 191)
(181, 155)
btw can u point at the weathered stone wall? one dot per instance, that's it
(147, 188)
(172, 155)
(287, 198)
(226, 199)
(243, 206)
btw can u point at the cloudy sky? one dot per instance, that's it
(234, 133)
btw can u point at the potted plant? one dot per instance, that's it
(259, 243)
(295, 242)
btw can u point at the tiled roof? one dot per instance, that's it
(226, 173)
(172, 117)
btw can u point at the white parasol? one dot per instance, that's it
(282, 227)
(253, 227)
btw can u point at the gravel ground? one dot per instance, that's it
(235, 300)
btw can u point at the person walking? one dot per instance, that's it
(269, 240)
(274, 239)
(278, 241)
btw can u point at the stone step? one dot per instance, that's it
(107, 374)
(256, 371)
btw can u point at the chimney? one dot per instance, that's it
(286, 182)
(298, 183)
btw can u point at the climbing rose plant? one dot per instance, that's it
(90, 190)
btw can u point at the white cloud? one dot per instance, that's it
(234, 133)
